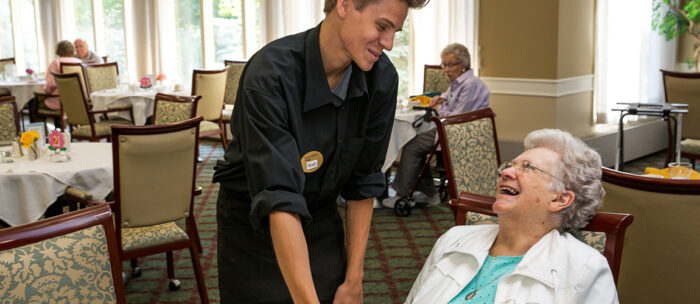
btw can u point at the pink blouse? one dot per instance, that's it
(50, 86)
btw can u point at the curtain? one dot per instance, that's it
(280, 18)
(629, 54)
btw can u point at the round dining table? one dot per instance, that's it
(28, 188)
(141, 101)
(22, 90)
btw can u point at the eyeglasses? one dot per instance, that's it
(449, 64)
(524, 166)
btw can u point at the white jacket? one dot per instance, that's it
(557, 269)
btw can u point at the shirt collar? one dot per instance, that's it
(318, 93)
(464, 76)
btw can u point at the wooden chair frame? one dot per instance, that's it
(652, 184)
(14, 237)
(193, 242)
(91, 112)
(178, 99)
(220, 121)
(443, 121)
(613, 225)
(671, 142)
(11, 100)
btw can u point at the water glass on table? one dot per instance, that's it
(6, 151)
(680, 170)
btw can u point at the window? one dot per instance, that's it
(399, 57)
(82, 14)
(6, 42)
(228, 30)
(29, 41)
(188, 46)
(113, 18)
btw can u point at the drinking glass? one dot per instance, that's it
(679, 170)
(6, 151)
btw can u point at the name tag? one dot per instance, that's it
(311, 161)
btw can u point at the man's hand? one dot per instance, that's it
(348, 292)
(437, 102)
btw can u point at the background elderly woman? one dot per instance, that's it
(65, 52)
(466, 93)
(551, 188)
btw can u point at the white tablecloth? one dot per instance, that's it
(27, 188)
(140, 99)
(23, 91)
(402, 133)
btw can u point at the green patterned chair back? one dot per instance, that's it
(170, 109)
(470, 152)
(234, 76)
(73, 99)
(70, 258)
(71, 67)
(154, 172)
(9, 125)
(211, 85)
(434, 79)
(685, 88)
(101, 76)
(4, 62)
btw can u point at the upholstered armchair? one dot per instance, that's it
(434, 79)
(661, 248)
(39, 110)
(685, 88)
(154, 175)
(70, 258)
(470, 151)
(3, 63)
(79, 114)
(71, 67)
(605, 232)
(9, 121)
(211, 86)
(101, 76)
(169, 109)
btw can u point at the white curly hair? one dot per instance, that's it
(579, 168)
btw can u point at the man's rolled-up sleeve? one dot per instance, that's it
(271, 158)
(367, 179)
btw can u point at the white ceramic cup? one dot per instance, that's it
(679, 170)
(6, 152)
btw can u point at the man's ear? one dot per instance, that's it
(562, 201)
(342, 7)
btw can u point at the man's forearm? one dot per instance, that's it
(358, 217)
(292, 256)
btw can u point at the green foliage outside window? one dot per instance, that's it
(399, 57)
(682, 17)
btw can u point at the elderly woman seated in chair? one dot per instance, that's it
(550, 189)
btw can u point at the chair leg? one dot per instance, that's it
(199, 274)
(174, 284)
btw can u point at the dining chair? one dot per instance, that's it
(434, 79)
(80, 116)
(211, 86)
(605, 232)
(235, 71)
(72, 67)
(3, 63)
(168, 109)
(662, 246)
(101, 76)
(70, 258)
(684, 88)
(39, 110)
(9, 119)
(469, 151)
(154, 176)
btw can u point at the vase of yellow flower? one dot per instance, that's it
(29, 141)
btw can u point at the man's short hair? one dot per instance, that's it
(360, 4)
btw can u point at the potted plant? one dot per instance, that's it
(682, 17)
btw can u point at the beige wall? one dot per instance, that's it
(685, 48)
(575, 38)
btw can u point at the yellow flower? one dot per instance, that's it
(28, 138)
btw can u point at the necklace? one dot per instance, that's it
(476, 285)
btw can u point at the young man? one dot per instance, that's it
(312, 121)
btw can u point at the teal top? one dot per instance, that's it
(489, 275)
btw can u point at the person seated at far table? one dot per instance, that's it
(466, 93)
(84, 53)
(65, 52)
(530, 257)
